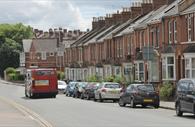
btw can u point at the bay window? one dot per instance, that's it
(190, 67)
(168, 67)
(139, 71)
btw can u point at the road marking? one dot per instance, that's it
(28, 112)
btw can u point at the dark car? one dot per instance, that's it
(185, 97)
(89, 90)
(70, 88)
(139, 94)
(78, 89)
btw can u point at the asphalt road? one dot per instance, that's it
(69, 112)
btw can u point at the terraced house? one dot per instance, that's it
(152, 41)
(149, 42)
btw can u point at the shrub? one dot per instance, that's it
(20, 77)
(10, 70)
(60, 75)
(92, 78)
(109, 79)
(166, 91)
(12, 76)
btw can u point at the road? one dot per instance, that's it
(69, 112)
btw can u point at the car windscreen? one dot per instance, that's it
(112, 86)
(145, 88)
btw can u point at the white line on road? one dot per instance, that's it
(28, 112)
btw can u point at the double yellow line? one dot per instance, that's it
(27, 112)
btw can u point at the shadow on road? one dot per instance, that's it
(191, 117)
(37, 97)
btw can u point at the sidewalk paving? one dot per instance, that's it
(12, 117)
(167, 105)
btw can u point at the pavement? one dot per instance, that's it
(167, 105)
(10, 116)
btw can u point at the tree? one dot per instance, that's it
(11, 36)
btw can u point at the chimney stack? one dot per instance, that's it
(146, 6)
(136, 9)
(126, 14)
(158, 3)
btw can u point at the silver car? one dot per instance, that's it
(108, 91)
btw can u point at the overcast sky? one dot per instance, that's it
(45, 14)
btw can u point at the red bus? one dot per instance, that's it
(41, 82)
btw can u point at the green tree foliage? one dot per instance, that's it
(11, 36)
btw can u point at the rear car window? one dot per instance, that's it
(145, 87)
(112, 86)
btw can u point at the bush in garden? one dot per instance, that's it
(166, 91)
(109, 79)
(60, 75)
(12, 76)
(92, 78)
(10, 70)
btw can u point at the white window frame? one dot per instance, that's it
(167, 65)
(175, 30)
(189, 28)
(170, 31)
(138, 72)
(43, 56)
(189, 56)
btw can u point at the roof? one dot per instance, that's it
(47, 45)
(91, 36)
(99, 36)
(131, 26)
(27, 44)
(189, 9)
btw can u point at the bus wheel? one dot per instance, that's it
(54, 96)
(31, 95)
(26, 94)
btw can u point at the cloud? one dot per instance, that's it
(44, 14)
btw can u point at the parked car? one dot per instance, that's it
(78, 89)
(61, 86)
(142, 94)
(89, 90)
(107, 91)
(185, 97)
(70, 88)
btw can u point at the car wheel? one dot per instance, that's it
(156, 106)
(121, 103)
(88, 97)
(178, 110)
(100, 97)
(81, 96)
(132, 103)
(144, 105)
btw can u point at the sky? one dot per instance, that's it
(68, 14)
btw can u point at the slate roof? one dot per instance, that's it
(26, 45)
(46, 45)
(189, 10)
